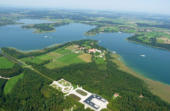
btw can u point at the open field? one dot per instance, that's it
(11, 83)
(65, 60)
(42, 58)
(99, 60)
(60, 58)
(5, 63)
(157, 88)
(85, 57)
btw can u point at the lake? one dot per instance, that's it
(153, 63)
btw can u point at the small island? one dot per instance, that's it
(46, 27)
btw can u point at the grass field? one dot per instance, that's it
(99, 60)
(85, 57)
(5, 63)
(11, 83)
(61, 57)
(68, 57)
(65, 60)
(42, 58)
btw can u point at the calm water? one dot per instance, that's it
(155, 63)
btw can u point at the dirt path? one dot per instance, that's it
(4, 78)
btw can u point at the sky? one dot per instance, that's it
(150, 6)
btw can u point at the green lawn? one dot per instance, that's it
(5, 63)
(11, 83)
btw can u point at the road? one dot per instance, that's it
(24, 65)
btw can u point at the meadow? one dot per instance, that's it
(59, 58)
(5, 63)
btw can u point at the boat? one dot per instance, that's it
(45, 36)
(143, 55)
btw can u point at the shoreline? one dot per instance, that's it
(157, 88)
(161, 48)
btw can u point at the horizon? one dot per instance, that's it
(81, 10)
(151, 7)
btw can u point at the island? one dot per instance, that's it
(46, 27)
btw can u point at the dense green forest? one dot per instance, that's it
(33, 93)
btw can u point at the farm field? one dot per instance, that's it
(59, 58)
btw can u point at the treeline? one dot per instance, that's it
(46, 26)
(19, 54)
(43, 27)
(152, 42)
(6, 21)
(11, 72)
(166, 26)
(2, 84)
